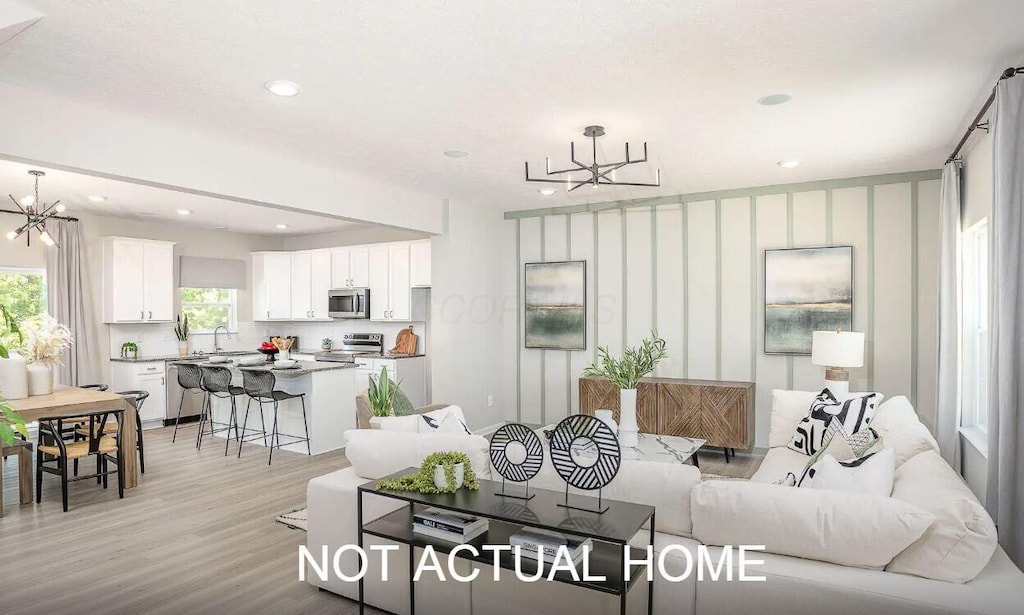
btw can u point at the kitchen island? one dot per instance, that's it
(330, 391)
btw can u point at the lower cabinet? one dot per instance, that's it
(148, 376)
(720, 412)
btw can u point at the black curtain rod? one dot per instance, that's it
(1010, 72)
(21, 213)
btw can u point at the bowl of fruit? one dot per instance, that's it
(269, 349)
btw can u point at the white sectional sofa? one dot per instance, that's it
(797, 585)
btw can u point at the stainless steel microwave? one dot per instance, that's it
(349, 303)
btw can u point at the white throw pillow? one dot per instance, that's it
(869, 475)
(376, 453)
(829, 526)
(788, 409)
(409, 424)
(430, 421)
(452, 424)
(900, 428)
(959, 543)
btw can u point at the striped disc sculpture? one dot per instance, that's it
(522, 471)
(591, 440)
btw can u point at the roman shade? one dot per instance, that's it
(199, 272)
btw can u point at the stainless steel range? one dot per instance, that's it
(366, 345)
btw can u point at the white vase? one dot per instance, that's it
(183, 348)
(40, 379)
(441, 482)
(608, 418)
(628, 429)
(13, 377)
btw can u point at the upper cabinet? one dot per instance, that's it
(272, 286)
(419, 263)
(138, 280)
(390, 288)
(310, 282)
(350, 267)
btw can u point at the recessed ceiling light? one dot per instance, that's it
(184, 212)
(774, 99)
(97, 199)
(788, 163)
(282, 87)
(456, 153)
(281, 226)
(547, 191)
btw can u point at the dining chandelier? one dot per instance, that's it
(597, 174)
(37, 213)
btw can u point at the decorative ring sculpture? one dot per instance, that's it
(589, 436)
(507, 435)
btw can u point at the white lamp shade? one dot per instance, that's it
(837, 348)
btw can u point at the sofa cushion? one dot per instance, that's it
(897, 423)
(376, 453)
(853, 412)
(408, 424)
(831, 526)
(777, 463)
(871, 474)
(959, 543)
(433, 420)
(788, 409)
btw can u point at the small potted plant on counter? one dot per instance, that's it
(129, 350)
(442, 472)
(181, 332)
(327, 344)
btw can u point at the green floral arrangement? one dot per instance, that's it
(636, 362)
(423, 481)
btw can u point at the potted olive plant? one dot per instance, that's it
(626, 372)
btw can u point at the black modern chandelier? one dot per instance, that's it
(37, 213)
(598, 174)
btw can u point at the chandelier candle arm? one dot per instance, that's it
(37, 214)
(599, 172)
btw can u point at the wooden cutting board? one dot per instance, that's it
(405, 343)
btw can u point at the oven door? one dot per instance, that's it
(349, 303)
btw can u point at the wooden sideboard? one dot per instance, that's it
(720, 412)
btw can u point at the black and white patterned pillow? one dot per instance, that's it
(852, 414)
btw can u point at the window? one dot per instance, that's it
(975, 326)
(23, 293)
(209, 308)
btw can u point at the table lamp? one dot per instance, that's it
(837, 350)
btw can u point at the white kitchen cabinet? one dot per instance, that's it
(411, 375)
(146, 376)
(310, 283)
(419, 264)
(390, 288)
(138, 280)
(350, 267)
(271, 286)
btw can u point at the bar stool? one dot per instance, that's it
(217, 383)
(259, 385)
(190, 380)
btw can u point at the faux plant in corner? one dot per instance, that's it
(181, 332)
(626, 372)
(10, 421)
(442, 472)
(381, 393)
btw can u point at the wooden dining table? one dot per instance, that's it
(72, 401)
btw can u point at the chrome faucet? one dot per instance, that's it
(216, 340)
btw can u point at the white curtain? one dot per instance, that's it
(947, 419)
(66, 290)
(1005, 493)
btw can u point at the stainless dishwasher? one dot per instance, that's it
(193, 401)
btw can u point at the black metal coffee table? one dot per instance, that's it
(610, 531)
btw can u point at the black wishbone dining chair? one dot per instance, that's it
(105, 446)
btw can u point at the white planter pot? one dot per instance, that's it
(628, 429)
(40, 379)
(13, 377)
(608, 418)
(441, 482)
(183, 348)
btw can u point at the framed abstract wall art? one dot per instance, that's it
(555, 297)
(806, 290)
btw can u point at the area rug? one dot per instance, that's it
(297, 519)
(713, 476)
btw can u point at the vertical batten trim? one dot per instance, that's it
(624, 268)
(789, 244)
(597, 294)
(828, 217)
(543, 353)
(654, 267)
(870, 358)
(754, 298)
(718, 289)
(914, 200)
(520, 338)
(568, 353)
(684, 211)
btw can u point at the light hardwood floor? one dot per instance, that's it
(198, 535)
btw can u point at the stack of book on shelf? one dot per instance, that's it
(448, 526)
(534, 541)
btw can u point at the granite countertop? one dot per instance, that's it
(303, 368)
(176, 357)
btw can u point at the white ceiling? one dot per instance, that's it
(151, 203)
(879, 86)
